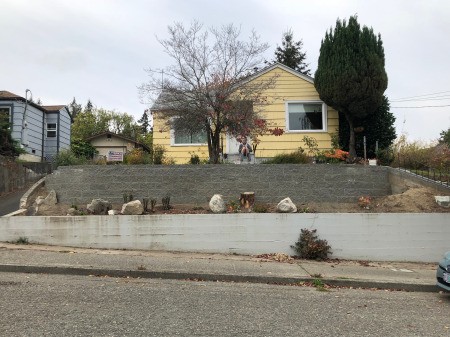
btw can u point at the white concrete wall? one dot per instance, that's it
(376, 237)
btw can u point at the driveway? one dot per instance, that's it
(11, 202)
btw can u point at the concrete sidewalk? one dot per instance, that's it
(215, 267)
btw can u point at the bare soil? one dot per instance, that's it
(416, 199)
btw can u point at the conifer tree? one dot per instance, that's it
(290, 53)
(351, 77)
(376, 127)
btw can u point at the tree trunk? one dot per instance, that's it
(352, 140)
(247, 200)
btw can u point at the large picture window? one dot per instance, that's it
(305, 116)
(185, 137)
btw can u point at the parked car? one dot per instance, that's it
(443, 272)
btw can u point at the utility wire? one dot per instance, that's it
(419, 107)
(432, 94)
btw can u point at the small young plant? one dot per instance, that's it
(152, 204)
(145, 203)
(364, 202)
(310, 247)
(166, 203)
(260, 208)
(23, 240)
(233, 207)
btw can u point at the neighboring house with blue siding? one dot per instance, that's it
(43, 131)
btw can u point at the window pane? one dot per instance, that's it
(305, 116)
(51, 130)
(4, 115)
(182, 137)
(187, 137)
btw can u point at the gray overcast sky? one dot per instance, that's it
(98, 49)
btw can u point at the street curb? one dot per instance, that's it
(172, 275)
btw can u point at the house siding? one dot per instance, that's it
(34, 121)
(289, 87)
(38, 144)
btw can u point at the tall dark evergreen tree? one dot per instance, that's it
(350, 76)
(144, 123)
(378, 126)
(290, 53)
(75, 108)
(89, 106)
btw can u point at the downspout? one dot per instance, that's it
(43, 136)
(23, 135)
(57, 132)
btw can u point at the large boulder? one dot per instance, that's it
(286, 206)
(99, 207)
(443, 201)
(51, 199)
(217, 204)
(133, 208)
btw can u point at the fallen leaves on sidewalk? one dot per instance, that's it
(279, 257)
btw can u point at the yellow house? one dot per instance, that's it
(295, 107)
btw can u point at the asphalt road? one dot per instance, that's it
(11, 202)
(54, 305)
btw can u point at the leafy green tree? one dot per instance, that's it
(378, 126)
(445, 137)
(351, 77)
(89, 123)
(290, 53)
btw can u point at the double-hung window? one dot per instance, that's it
(51, 130)
(304, 116)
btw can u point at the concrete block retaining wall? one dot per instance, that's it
(189, 184)
(376, 237)
(14, 176)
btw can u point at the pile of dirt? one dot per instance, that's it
(415, 200)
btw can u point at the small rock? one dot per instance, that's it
(99, 207)
(443, 201)
(113, 212)
(71, 211)
(39, 200)
(286, 206)
(217, 204)
(133, 208)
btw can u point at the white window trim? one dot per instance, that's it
(55, 129)
(324, 117)
(172, 141)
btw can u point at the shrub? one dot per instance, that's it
(68, 158)
(260, 208)
(297, 157)
(195, 159)
(158, 154)
(136, 156)
(385, 156)
(309, 246)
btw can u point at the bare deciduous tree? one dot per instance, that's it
(209, 85)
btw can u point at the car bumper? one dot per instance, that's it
(442, 268)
